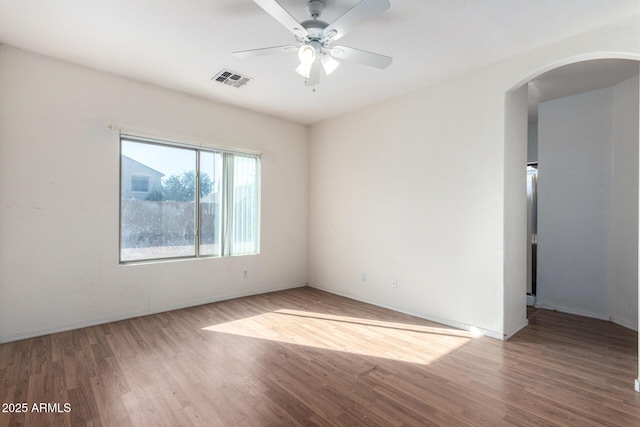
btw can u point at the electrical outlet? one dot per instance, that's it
(364, 278)
(245, 273)
(394, 283)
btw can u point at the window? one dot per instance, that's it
(180, 201)
(140, 183)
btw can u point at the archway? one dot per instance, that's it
(515, 228)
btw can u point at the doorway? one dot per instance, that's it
(583, 230)
(532, 234)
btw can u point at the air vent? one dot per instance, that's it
(231, 78)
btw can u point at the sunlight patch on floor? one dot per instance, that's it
(398, 341)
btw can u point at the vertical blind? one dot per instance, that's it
(240, 224)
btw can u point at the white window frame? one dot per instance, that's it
(225, 209)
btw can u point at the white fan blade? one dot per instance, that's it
(273, 8)
(362, 56)
(264, 51)
(355, 16)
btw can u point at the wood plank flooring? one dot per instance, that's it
(304, 357)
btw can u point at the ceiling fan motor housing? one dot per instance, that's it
(315, 8)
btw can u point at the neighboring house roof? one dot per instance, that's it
(150, 170)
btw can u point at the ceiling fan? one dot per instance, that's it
(315, 38)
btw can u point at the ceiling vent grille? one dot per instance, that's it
(231, 78)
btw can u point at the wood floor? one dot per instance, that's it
(304, 357)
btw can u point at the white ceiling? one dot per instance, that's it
(182, 44)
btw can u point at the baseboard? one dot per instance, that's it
(574, 312)
(624, 324)
(591, 315)
(516, 330)
(132, 315)
(446, 322)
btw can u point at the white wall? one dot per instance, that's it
(624, 233)
(575, 203)
(517, 248)
(414, 188)
(59, 193)
(588, 204)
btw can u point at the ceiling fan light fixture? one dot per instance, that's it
(329, 64)
(307, 54)
(304, 70)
